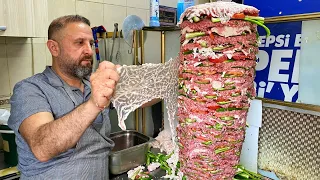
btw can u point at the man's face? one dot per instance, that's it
(75, 44)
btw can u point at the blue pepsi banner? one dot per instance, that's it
(271, 8)
(277, 71)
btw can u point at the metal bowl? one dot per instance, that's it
(129, 151)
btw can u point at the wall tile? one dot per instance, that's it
(57, 8)
(48, 57)
(19, 62)
(98, 1)
(18, 40)
(143, 4)
(4, 73)
(2, 40)
(92, 11)
(39, 54)
(142, 13)
(116, 2)
(113, 14)
(124, 58)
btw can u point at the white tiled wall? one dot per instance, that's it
(39, 54)
(19, 57)
(91, 10)
(113, 14)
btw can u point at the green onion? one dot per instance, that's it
(221, 150)
(218, 126)
(235, 94)
(210, 97)
(223, 102)
(196, 19)
(229, 60)
(227, 118)
(207, 143)
(188, 120)
(257, 18)
(214, 20)
(187, 52)
(241, 67)
(194, 34)
(203, 44)
(260, 24)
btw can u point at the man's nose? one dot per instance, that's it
(88, 49)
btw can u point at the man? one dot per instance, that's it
(59, 116)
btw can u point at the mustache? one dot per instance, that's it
(86, 58)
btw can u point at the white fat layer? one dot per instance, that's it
(227, 31)
(196, 118)
(197, 64)
(220, 9)
(206, 52)
(216, 84)
(186, 30)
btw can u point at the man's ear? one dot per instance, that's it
(53, 47)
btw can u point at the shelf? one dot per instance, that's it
(161, 28)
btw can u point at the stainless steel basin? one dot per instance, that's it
(129, 151)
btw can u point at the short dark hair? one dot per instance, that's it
(61, 22)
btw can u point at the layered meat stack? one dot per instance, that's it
(218, 58)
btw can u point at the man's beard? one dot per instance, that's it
(69, 66)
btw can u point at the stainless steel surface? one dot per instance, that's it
(3, 28)
(129, 151)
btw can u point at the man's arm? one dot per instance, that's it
(48, 138)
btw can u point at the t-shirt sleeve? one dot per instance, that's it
(27, 99)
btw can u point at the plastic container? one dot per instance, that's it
(182, 5)
(9, 146)
(154, 13)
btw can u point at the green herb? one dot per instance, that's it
(241, 67)
(210, 96)
(235, 94)
(224, 102)
(187, 52)
(195, 34)
(207, 143)
(203, 44)
(214, 20)
(196, 19)
(221, 150)
(227, 118)
(229, 60)
(258, 23)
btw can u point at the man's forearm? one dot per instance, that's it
(58, 136)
